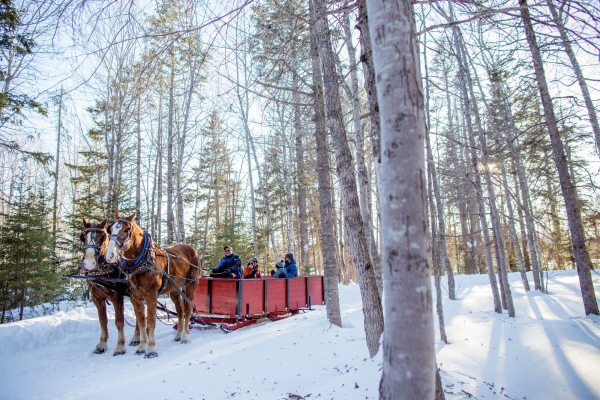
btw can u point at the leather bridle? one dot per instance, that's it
(92, 245)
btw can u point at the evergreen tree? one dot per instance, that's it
(28, 266)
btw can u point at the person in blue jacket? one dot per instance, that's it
(230, 265)
(291, 268)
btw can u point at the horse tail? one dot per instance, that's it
(198, 263)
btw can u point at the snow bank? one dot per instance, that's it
(550, 350)
(35, 333)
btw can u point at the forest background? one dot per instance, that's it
(199, 117)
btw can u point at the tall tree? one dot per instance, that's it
(373, 311)
(361, 168)
(582, 256)
(408, 342)
(326, 211)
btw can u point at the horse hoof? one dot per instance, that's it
(134, 343)
(151, 355)
(177, 339)
(99, 351)
(118, 353)
(140, 352)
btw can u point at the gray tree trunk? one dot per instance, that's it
(441, 224)
(170, 138)
(373, 311)
(300, 174)
(361, 169)
(288, 180)
(159, 156)
(437, 268)
(582, 256)
(244, 108)
(513, 230)
(56, 169)
(138, 163)
(326, 211)
(408, 355)
(366, 58)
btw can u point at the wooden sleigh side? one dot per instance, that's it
(231, 304)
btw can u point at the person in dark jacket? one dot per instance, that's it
(291, 269)
(230, 265)
(280, 272)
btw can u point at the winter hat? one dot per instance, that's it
(279, 264)
(290, 256)
(253, 259)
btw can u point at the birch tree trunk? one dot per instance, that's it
(159, 156)
(56, 169)
(170, 214)
(437, 269)
(326, 211)
(373, 312)
(138, 172)
(244, 108)
(582, 256)
(288, 181)
(408, 344)
(109, 142)
(301, 199)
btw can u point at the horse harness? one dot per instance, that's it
(146, 262)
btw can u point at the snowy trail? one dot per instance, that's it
(549, 351)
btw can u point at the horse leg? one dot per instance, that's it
(140, 316)
(151, 300)
(190, 291)
(176, 299)
(100, 303)
(135, 339)
(117, 300)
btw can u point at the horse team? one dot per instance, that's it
(121, 259)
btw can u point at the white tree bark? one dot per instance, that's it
(408, 358)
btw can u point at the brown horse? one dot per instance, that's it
(102, 286)
(152, 270)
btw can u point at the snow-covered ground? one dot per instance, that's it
(549, 351)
